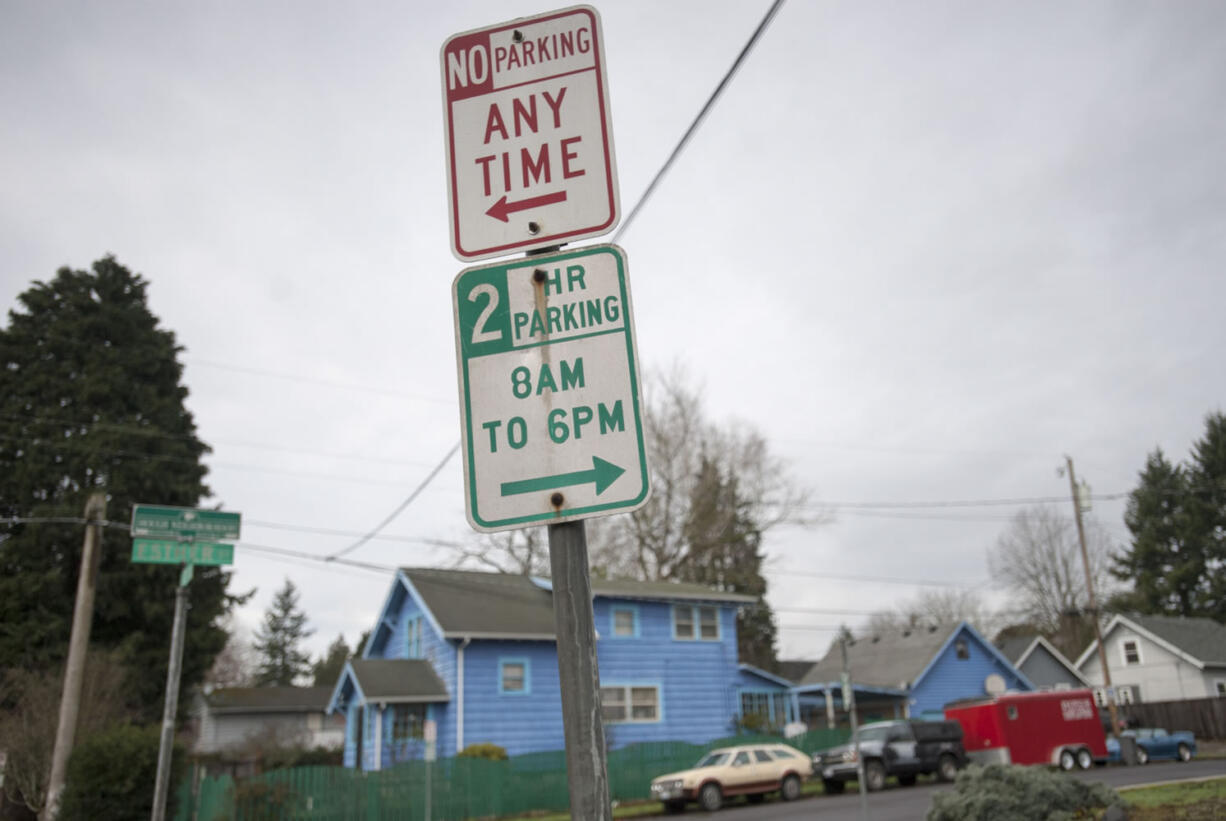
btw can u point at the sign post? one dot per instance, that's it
(530, 160)
(171, 539)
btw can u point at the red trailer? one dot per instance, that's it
(1060, 727)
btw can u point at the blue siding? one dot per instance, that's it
(950, 678)
(696, 678)
(519, 722)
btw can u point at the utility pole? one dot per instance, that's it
(587, 773)
(849, 704)
(78, 644)
(1098, 635)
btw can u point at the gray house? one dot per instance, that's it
(1045, 666)
(233, 719)
(1160, 658)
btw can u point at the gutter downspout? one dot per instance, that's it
(459, 713)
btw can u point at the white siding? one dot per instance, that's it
(1160, 674)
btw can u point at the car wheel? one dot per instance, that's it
(674, 807)
(1185, 752)
(1084, 760)
(947, 768)
(1142, 755)
(906, 780)
(874, 776)
(790, 790)
(710, 798)
(834, 787)
(1067, 760)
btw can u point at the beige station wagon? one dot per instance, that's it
(751, 770)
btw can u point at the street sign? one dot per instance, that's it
(183, 523)
(157, 551)
(529, 140)
(549, 389)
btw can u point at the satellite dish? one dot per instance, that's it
(994, 684)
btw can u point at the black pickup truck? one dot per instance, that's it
(904, 749)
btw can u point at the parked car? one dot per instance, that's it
(752, 770)
(1155, 742)
(905, 749)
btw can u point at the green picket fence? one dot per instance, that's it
(457, 788)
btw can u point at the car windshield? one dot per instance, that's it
(878, 733)
(713, 760)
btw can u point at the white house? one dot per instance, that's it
(232, 717)
(1160, 658)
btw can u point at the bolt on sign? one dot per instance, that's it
(549, 390)
(529, 139)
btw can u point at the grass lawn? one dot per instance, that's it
(1188, 801)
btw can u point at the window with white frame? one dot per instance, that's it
(630, 703)
(412, 633)
(1220, 686)
(1131, 650)
(695, 622)
(513, 677)
(765, 709)
(408, 721)
(625, 622)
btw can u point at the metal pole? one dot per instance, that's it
(171, 707)
(1098, 635)
(586, 769)
(78, 644)
(850, 706)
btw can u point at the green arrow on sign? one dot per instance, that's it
(602, 473)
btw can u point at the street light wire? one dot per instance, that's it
(702, 114)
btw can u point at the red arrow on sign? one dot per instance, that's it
(502, 208)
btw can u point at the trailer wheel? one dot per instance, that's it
(1067, 760)
(1084, 759)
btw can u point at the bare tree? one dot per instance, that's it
(1039, 559)
(236, 664)
(27, 727)
(935, 607)
(521, 552)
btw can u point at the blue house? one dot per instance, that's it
(908, 674)
(475, 653)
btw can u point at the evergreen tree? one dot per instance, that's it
(331, 664)
(1207, 511)
(278, 641)
(91, 398)
(725, 554)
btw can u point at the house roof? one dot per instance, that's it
(1017, 647)
(397, 680)
(794, 671)
(894, 660)
(664, 590)
(1020, 648)
(1202, 641)
(484, 605)
(267, 699)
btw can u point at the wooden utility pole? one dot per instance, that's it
(78, 645)
(1098, 635)
(587, 774)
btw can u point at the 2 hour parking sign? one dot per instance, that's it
(529, 141)
(549, 389)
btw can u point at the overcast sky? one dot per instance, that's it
(926, 248)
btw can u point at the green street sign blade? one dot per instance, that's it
(602, 475)
(161, 551)
(184, 523)
(548, 375)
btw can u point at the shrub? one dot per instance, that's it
(1000, 793)
(490, 752)
(111, 775)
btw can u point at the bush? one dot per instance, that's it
(1000, 793)
(490, 752)
(111, 775)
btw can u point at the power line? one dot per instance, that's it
(317, 381)
(702, 115)
(1016, 502)
(812, 574)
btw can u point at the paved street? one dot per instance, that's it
(909, 804)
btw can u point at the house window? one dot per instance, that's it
(408, 721)
(1125, 694)
(412, 631)
(514, 677)
(962, 649)
(1132, 652)
(622, 704)
(1220, 686)
(766, 710)
(691, 622)
(625, 622)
